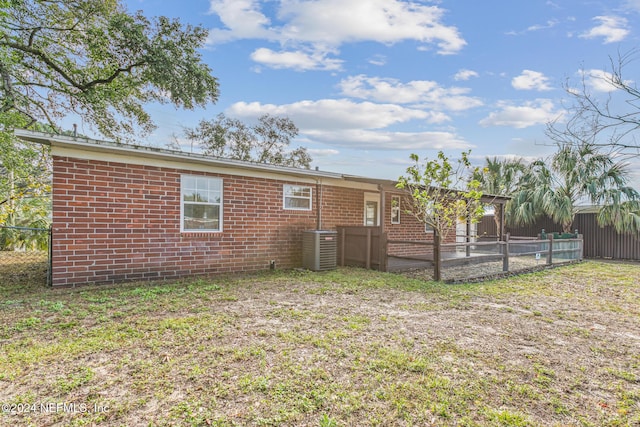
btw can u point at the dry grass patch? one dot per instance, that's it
(348, 347)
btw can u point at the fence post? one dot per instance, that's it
(383, 251)
(368, 256)
(550, 253)
(505, 253)
(468, 237)
(581, 243)
(342, 245)
(437, 259)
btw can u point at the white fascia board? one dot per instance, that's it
(91, 149)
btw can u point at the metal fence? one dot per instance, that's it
(472, 259)
(599, 242)
(490, 257)
(25, 255)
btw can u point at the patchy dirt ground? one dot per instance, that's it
(350, 347)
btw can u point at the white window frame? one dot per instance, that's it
(395, 209)
(286, 194)
(220, 204)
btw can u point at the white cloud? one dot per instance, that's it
(532, 113)
(537, 27)
(464, 75)
(295, 60)
(378, 60)
(382, 140)
(549, 24)
(612, 29)
(351, 124)
(600, 80)
(325, 25)
(322, 152)
(428, 93)
(332, 114)
(243, 19)
(531, 80)
(509, 156)
(335, 22)
(632, 5)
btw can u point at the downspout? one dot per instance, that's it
(382, 207)
(318, 204)
(382, 255)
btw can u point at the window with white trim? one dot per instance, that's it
(201, 203)
(296, 197)
(395, 209)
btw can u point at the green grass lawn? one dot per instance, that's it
(349, 347)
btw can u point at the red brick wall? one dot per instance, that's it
(115, 222)
(408, 229)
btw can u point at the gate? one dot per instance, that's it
(25, 255)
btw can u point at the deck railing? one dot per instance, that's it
(369, 247)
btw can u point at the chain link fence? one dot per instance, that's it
(25, 255)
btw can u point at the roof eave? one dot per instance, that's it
(108, 146)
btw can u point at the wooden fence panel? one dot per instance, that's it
(361, 247)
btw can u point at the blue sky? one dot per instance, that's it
(369, 82)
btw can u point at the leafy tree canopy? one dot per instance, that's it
(578, 173)
(94, 59)
(265, 142)
(500, 177)
(442, 191)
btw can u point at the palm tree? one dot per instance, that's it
(578, 173)
(500, 177)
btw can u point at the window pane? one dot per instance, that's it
(292, 203)
(201, 203)
(189, 197)
(371, 213)
(297, 197)
(188, 182)
(201, 217)
(298, 191)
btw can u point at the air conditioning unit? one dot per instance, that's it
(319, 249)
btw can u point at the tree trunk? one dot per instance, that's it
(497, 217)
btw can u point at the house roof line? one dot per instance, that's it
(132, 149)
(95, 144)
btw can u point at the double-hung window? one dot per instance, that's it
(201, 203)
(297, 197)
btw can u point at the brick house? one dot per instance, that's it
(125, 212)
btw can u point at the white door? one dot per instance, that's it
(372, 209)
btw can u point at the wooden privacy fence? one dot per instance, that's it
(368, 247)
(362, 247)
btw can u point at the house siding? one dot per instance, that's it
(116, 222)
